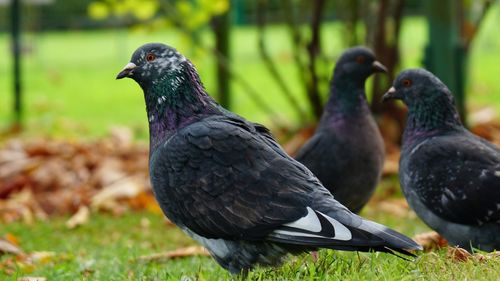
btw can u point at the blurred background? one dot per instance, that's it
(269, 61)
(73, 140)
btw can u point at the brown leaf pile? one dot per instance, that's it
(39, 178)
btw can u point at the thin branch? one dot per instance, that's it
(313, 49)
(297, 40)
(475, 26)
(254, 95)
(269, 63)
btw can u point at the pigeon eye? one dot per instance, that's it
(360, 59)
(407, 82)
(150, 57)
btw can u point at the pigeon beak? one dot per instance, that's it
(391, 94)
(127, 71)
(379, 67)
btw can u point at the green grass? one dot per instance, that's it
(70, 89)
(107, 248)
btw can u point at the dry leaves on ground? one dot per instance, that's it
(14, 258)
(39, 178)
(458, 254)
(461, 255)
(7, 247)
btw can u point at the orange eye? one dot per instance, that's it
(407, 82)
(360, 59)
(150, 57)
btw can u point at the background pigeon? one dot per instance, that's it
(450, 177)
(346, 152)
(228, 184)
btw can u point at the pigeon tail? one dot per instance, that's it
(318, 230)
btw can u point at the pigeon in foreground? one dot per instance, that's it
(450, 177)
(346, 152)
(228, 184)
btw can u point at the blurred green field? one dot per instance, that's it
(70, 89)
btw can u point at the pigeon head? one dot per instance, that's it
(429, 101)
(347, 87)
(153, 63)
(357, 62)
(418, 86)
(174, 94)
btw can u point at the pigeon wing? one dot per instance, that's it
(458, 178)
(224, 179)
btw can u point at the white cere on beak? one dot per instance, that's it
(129, 66)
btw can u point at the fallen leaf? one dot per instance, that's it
(145, 200)
(109, 171)
(293, 145)
(458, 254)
(484, 115)
(79, 218)
(42, 257)
(391, 163)
(391, 167)
(125, 188)
(178, 253)
(8, 265)
(31, 279)
(86, 267)
(145, 223)
(397, 207)
(430, 240)
(122, 136)
(7, 247)
(12, 238)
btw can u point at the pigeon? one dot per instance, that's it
(450, 177)
(346, 152)
(229, 185)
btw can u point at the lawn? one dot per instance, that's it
(70, 89)
(108, 248)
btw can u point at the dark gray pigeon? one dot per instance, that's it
(228, 184)
(450, 177)
(346, 152)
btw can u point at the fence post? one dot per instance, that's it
(222, 29)
(16, 53)
(444, 55)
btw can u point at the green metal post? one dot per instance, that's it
(444, 54)
(16, 53)
(238, 6)
(222, 29)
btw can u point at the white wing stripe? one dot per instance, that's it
(299, 234)
(310, 222)
(341, 232)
